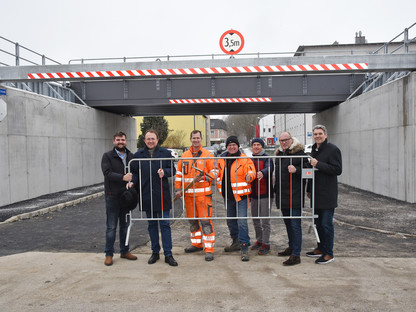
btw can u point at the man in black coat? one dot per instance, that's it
(289, 188)
(154, 196)
(326, 158)
(113, 165)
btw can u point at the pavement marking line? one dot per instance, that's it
(42, 211)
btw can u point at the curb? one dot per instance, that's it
(58, 207)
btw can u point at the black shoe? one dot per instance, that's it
(209, 256)
(193, 249)
(314, 253)
(292, 260)
(153, 258)
(235, 246)
(285, 253)
(169, 260)
(324, 259)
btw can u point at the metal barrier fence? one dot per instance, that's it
(149, 186)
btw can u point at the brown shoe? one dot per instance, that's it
(285, 253)
(292, 260)
(108, 260)
(314, 253)
(128, 256)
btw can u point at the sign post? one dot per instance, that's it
(231, 42)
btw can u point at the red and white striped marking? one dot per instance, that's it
(200, 71)
(221, 100)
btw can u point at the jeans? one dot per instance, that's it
(114, 216)
(294, 230)
(238, 228)
(153, 229)
(325, 226)
(260, 208)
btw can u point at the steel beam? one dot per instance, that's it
(375, 63)
(289, 94)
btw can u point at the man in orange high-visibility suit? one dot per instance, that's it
(196, 184)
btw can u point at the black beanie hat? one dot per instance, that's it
(232, 139)
(258, 140)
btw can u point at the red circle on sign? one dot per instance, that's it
(231, 31)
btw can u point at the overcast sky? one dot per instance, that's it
(65, 30)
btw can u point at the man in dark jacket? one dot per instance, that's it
(113, 165)
(262, 192)
(289, 188)
(326, 157)
(154, 193)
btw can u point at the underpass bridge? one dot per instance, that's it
(212, 84)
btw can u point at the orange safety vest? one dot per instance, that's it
(185, 174)
(239, 169)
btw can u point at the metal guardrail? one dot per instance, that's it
(219, 205)
(18, 57)
(375, 80)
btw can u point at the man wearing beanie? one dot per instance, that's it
(262, 188)
(234, 183)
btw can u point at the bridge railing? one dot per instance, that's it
(151, 197)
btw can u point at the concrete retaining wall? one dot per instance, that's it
(376, 133)
(47, 145)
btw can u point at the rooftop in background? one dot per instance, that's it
(218, 124)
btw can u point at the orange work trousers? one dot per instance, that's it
(202, 231)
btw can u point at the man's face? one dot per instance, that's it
(232, 148)
(257, 148)
(196, 140)
(285, 141)
(319, 136)
(120, 143)
(151, 140)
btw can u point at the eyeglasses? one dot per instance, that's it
(284, 140)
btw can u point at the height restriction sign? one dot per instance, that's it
(232, 42)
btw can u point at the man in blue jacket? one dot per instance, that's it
(113, 165)
(154, 196)
(326, 157)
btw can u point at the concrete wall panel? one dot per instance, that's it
(53, 145)
(18, 161)
(58, 163)
(38, 166)
(4, 170)
(378, 140)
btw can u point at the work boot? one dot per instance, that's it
(108, 260)
(235, 246)
(244, 253)
(265, 249)
(209, 256)
(193, 249)
(256, 246)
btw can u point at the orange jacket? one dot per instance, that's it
(239, 169)
(185, 173)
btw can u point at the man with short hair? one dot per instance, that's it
(152, 176)
(234, 183)
(262, 192)
(289, 188)
(113, 165)
(326, 157)
(194, 177)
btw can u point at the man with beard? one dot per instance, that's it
(234, 183)
(113, 165)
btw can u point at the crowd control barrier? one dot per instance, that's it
(146, 169)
